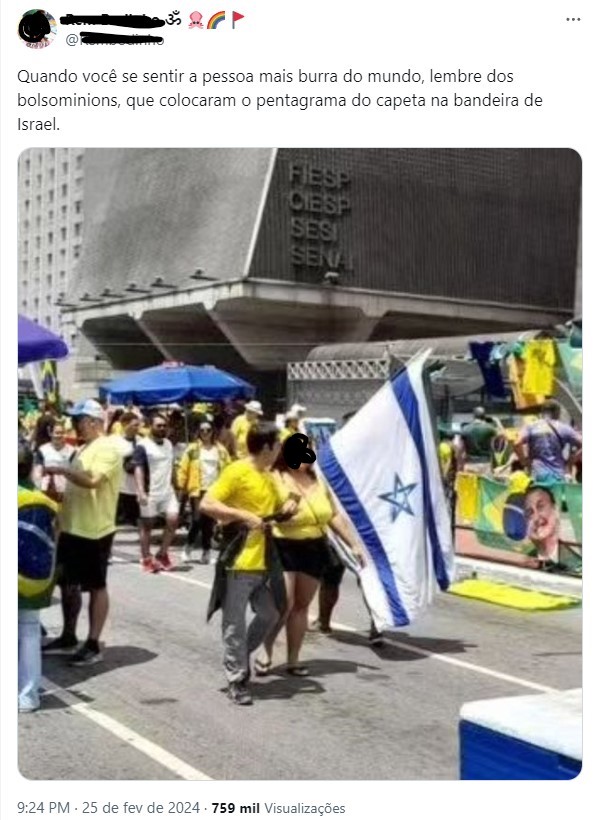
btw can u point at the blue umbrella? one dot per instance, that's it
(36, 343)
(173, 382)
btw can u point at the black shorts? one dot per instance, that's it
(128, 511)
(333, 575)
(83, 561)
(309, 556)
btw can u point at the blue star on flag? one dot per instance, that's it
(399, 498)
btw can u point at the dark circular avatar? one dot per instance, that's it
(35, 26)
(296, 451)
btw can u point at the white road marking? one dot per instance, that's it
(169, 761)
(471, 667)
(416, 650)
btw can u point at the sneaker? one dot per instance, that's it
(238, 693)
(60, 646)
(187, 555)
(205, 558)
(164, 562)
(86, 656)
(376, 638)
(149, 565)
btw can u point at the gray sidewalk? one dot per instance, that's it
(518, 576)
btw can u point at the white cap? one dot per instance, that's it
(297, 409)
(90, 408)
(292, 415)
(254, 407)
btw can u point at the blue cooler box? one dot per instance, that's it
(532, 737)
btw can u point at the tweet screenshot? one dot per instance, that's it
(296, 292)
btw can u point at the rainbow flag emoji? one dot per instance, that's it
(217, 18)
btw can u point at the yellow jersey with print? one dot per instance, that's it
(92, 513)
(243, 487)
(540, 361)
(314, 513)
(240, 428)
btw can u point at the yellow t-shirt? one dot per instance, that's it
(314, 513)
(244, 487)
(540, 360)
(240, 429)
(92, 513)
(285, 434)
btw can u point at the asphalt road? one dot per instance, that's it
(155, 708)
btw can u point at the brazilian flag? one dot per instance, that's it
(500, 517)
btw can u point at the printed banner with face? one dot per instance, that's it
(542, 521)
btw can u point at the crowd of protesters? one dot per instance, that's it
(220, 471)
(87, 470)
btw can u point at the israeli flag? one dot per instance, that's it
(383, 469)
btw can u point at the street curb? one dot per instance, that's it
(466, 568)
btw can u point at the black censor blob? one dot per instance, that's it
(296, 451)
(34, 26)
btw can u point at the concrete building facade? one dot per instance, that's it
(50, 232)
(250, 258)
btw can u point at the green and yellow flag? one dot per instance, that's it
(572, 361)
(500, 519)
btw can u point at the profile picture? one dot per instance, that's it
(37, 28)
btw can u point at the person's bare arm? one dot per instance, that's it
(139, 480)
(340, 525)
(228, 515)
(521, 450)
(81, 478)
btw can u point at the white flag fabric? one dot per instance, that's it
(383, 468)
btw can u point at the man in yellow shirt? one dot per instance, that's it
(242, 425)
(87, 527)
(245, 493)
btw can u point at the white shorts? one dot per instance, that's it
(167, 505)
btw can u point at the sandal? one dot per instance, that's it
(298, 670)
(262, 668)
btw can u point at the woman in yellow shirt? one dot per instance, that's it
(302, 548)
(200, 467)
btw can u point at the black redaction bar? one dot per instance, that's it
(125, 20)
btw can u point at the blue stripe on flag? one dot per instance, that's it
(407, 400)
(343, 489)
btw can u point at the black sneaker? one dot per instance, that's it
(60, 646)
(86, 656)
(376, 638)
(238, 693)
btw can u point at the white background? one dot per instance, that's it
(549, 56)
